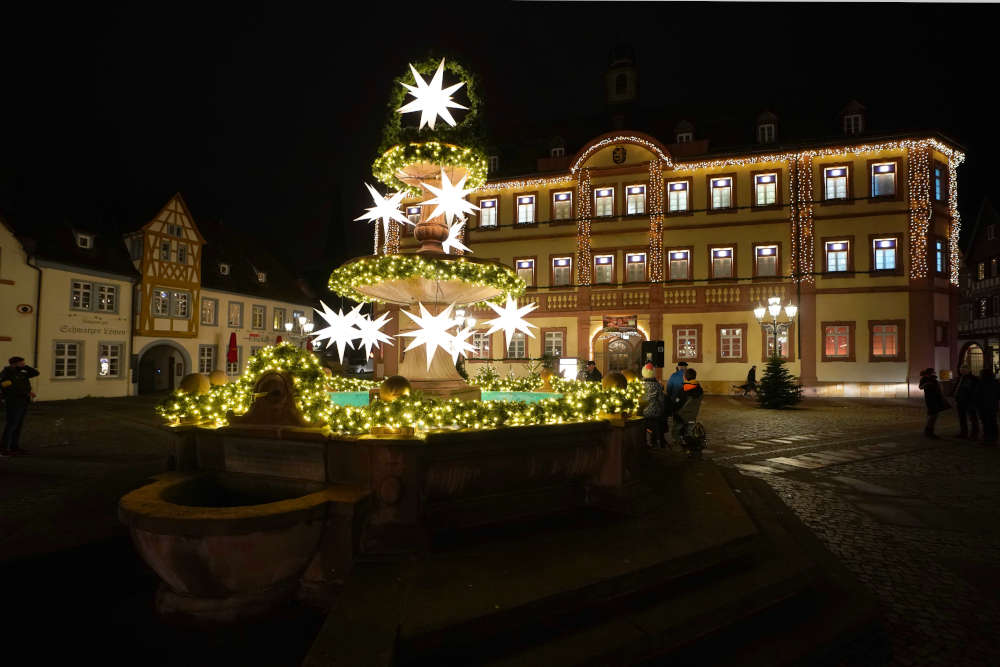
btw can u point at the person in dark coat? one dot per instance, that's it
(653, 411)
(15, 383)
(591, 374)
(965, 391)
(675, 385)
(751, 383)
(933, 398)
(986, 395)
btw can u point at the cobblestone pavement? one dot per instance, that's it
(914, 519)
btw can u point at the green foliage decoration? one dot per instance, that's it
(778, 388)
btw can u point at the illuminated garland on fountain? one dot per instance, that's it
(373, 270)
(446, 155)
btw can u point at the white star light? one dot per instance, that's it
(341, 330)
(369, 331)
(511, 319)
(433, 331)
(460, 343)
(385, 209)
(431, 101)
(454, 239)
(450, 200)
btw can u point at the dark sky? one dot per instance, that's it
(270, 121)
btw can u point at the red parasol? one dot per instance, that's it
(277, 341)
(233, 355)
(309, 345)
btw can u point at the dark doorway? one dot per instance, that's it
(158, 369)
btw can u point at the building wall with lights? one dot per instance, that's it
(861, 236)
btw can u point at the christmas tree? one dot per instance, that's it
(778, 388)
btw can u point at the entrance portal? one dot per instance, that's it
(616, 352)
(160, 369)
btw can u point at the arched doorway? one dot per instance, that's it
(161, 367)
(972, 356)
(616, 352)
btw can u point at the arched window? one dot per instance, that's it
(973, 358)
(621, 84)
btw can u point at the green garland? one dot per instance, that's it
(376, 269)
(399, 156)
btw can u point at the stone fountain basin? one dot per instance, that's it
(220, 535)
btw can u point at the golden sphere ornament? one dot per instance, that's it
(195, 384)
(218, 378)
(614, 381)
(393, 387)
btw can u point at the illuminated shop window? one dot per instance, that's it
(109, 359)
(837, 341)
(885, 340)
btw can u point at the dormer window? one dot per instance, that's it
(493, 163)
(175, 230)
(85, 241)
(766, 133)
(853, 124)
(685, 137)
(224, 269)
(261, 277)
(558, 151)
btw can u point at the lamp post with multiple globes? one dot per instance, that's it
(299, 330)
(774, 327)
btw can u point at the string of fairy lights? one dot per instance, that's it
(655, 258)
(651, 146)
(918, 184)
(953, 162)
(583, 248)
(804, 225)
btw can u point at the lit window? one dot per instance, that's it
(679, 264)
(278, 319)
(981, 271)
(765, 189)
(525, 209)
(107, 298)
(766, 133)
(782, 343)
(853, 124)
(109, 360)
(731, 343)
(85, 241)
(487, 213)
(722, 262)
(160, 304)
(836, 341)
(206, 358)
(885, 340)
(518, 348)
(767, 260)
(635, 199)
(233, 367)
(262, 276)
(553, 343)
(209, 308)
(481, 343)
(526, 271)
(884, 179)
(722, 193)
(80, 295)
(981, 310)
(165, 251)
(562, 206)
(635, 267)
(604, 202)
(687, 343)
(604, 269)
(182, 304)
(67, 360)
(224, 269)
(258, 316)
(939, 264)
(235, 314)
(677, 196)
(885, 254)
(562, 268)
(836, 255)
(685, 137)
(939, 182)
(835, 182)
(413, 214)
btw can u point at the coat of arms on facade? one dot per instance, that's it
(618, 155)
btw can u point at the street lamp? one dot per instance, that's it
(774, 327)
(302, 328)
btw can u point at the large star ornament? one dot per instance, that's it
(341, 330)
(370, 332)
(433, 331)
(510, 319)
(450, 200)
(460, 343)
(385, 210)
(431, 100)
(454, 240)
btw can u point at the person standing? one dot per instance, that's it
(933, 399)
(751, 383)
(15, 383)
(592, 374)
(653, 411)
(675, 384)
(965, 392)
(687, 406)
(986, 395)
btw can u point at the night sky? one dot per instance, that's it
(270, 121)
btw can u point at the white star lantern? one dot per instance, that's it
(370, 332)
(450, 201)
(384, 209)
(431, 100)
(345, 328)
(460, 343)
(454, 240)
(511, 319)
(433, 331)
